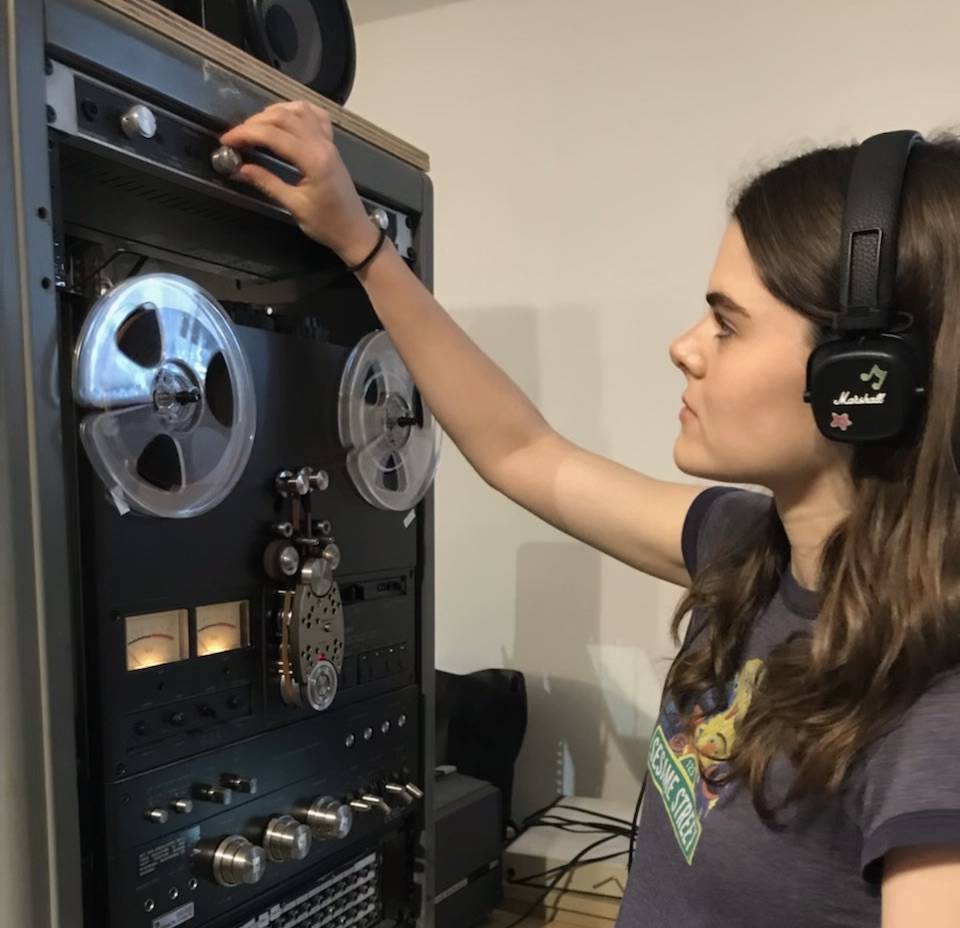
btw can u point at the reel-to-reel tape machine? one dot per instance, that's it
(249, 518)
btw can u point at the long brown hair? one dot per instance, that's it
(889, 574)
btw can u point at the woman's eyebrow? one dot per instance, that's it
(719, 300)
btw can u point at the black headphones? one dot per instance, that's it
(866, 382)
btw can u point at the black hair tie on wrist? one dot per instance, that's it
(359, 267)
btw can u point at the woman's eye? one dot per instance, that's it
(725, 329)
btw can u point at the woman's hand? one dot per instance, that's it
(324, 202)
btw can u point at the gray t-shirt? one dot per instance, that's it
(708, 860)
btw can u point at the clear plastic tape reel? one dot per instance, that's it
(159, 357)
(391, 437)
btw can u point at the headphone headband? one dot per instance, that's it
(871, 225)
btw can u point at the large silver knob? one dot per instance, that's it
(139, 121)
(237, 861)
(225, 160)
(286, 839)
(329, 818)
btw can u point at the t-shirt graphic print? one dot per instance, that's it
(672, 761)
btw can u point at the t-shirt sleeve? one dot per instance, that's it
(905, 790)
(716, 515)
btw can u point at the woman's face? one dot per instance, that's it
(746, 374)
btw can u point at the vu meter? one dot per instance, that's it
(222, 627)
(157, 638)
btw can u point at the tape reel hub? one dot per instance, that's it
(397, 421)
(177, 396)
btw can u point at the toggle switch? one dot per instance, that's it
(377, 801)
(395, 789)
(240, 784)
(213, 794)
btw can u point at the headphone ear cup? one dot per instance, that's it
(865, 389)
(311, 41)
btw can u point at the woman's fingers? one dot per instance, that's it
(256, 133)
(267, 183)
(324, 201)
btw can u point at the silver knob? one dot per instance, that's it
(286, 839)
(139, 121)
(182, 806)
(377, 801)
(157, 816)
(380, 218)
(240, 784)
(319, 480)
(290, 484)
(331, 554)
(225, 160)
(414, 790)
(237, 861)
(283, 529)
(317, 573)
(214, 794)
(329, 818)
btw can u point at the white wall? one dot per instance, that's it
(582, 154)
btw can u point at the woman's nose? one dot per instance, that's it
(684, 353)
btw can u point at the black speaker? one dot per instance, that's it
(311, 41)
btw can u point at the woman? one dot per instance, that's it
(803, 759)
